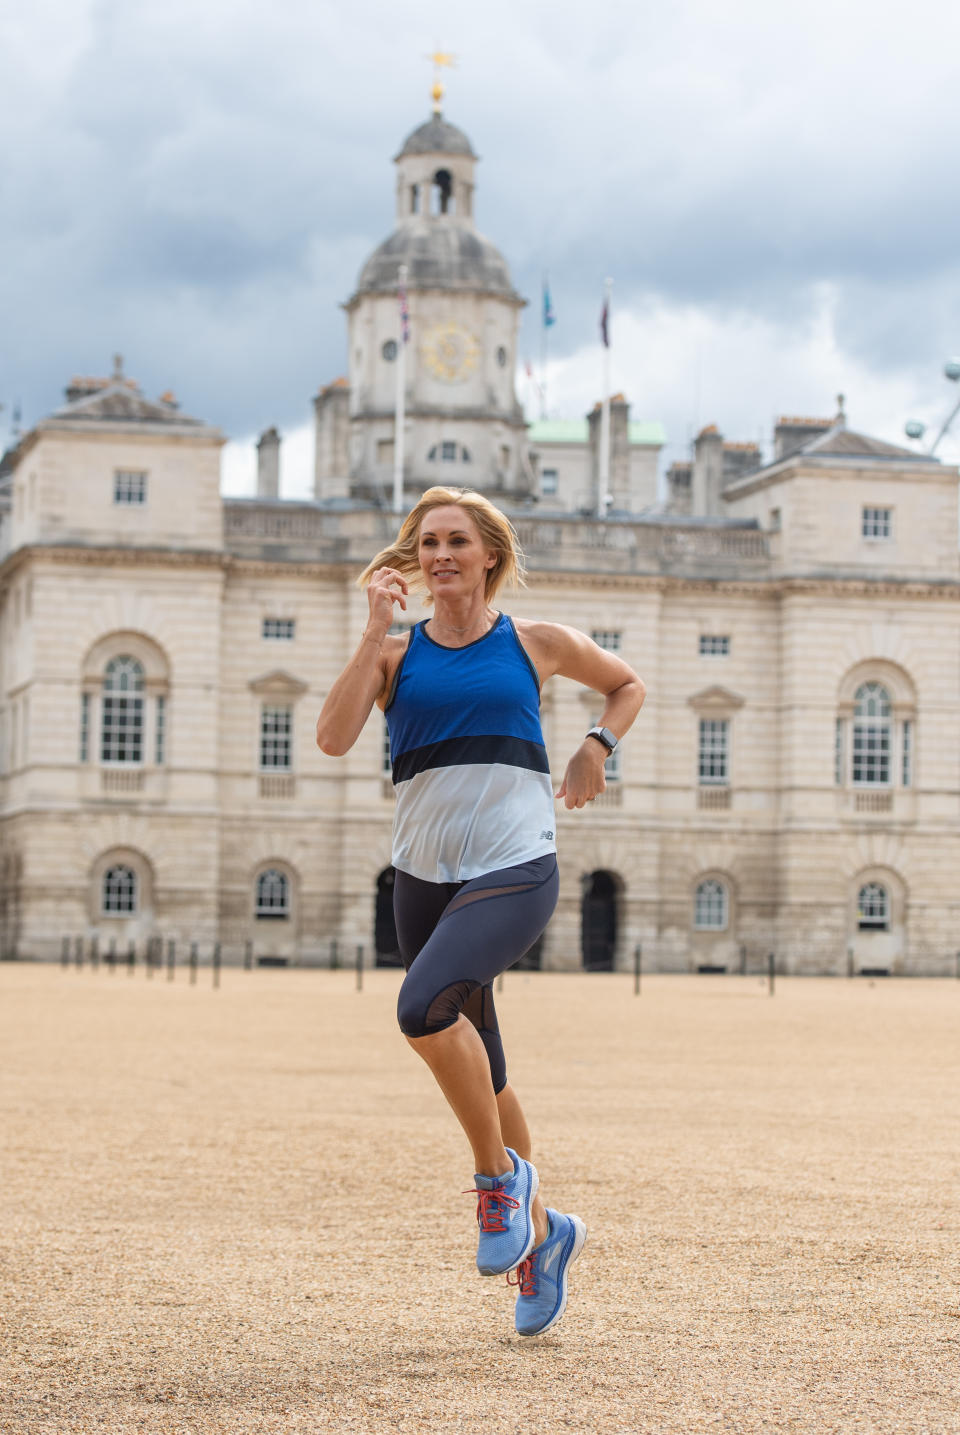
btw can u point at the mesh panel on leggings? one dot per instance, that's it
(463, 899)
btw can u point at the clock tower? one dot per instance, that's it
(464, 425)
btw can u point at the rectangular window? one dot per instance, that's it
(612, 769)
(276, 739)
(776, 522)
(838, 754)
(161, 730)
(129, 487)
(871, 753)
(448, 451)
(608, 638)
(85, 727)
(714, 645)
(877, 522)
(121, 737)
(549, 480)
(279, 630)
(712, 765)
(907, 773)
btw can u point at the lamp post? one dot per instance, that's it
(914, 429)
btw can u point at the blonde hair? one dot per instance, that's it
(496, 532)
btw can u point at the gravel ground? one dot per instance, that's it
(239, 1210)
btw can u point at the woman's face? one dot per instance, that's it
(454, 560)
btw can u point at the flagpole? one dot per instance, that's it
(544, 327)
(400, 405)
(603, 476)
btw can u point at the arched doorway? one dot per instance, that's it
(598, 922)
(385, 942)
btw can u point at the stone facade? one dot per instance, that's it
(792, 785)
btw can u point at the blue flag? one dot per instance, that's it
(549, 317)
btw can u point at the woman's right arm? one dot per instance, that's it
(362, 681)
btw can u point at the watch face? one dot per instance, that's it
(450, 352)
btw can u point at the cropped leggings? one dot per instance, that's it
(457, 937)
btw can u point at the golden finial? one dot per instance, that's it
(440, 59)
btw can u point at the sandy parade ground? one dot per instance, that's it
(240, 1210)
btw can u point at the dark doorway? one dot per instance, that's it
(598, 924)
(384, 928)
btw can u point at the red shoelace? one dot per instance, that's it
(490, 1204)
(526, 1275)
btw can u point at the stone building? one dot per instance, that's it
(793, 783)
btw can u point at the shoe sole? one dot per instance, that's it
(579, 1241)
(531, 1234)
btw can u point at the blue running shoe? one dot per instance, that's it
(542, 1278)
(504, 1216)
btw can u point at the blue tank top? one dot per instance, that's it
(470, 769)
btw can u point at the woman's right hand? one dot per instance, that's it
(385, 588)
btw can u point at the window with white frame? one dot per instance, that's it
(714, 645)
(876, 523)
(713, 760)
(276, 738)
(272, 894)
(84, 727)
(873, 908)
(279, 630)
(608, 638)
(549, 480)
(872, 736)
(906, 771)
(839, 752)
(710, 906)
(119, 895)
(160, 733)
(448, 452)
(121, 718)
(129, 487)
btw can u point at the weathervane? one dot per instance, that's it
(440, 60)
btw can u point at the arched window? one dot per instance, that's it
(119, 891)
(873, 908)
(710, 906)
(872, 730)
(441, 197)
(121, 727)
(273, 894)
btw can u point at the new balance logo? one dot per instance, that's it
(546, 836)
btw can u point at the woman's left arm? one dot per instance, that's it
(573, 655)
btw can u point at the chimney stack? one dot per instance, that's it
(268, 464)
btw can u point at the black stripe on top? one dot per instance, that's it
(458, 751)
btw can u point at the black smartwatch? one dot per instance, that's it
(605, 736)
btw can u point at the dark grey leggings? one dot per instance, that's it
(457, 937)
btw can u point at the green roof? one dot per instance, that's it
(643, 431)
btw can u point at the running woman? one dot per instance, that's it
(473, 840)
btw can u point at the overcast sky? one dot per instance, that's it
(772, 190)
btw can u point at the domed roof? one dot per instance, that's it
(439, 254)
(437, 136)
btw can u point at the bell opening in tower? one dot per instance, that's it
(441, 197)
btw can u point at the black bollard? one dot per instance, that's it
(131, 957)
(148, 958)
(171, 958)
(216, 965)
(743, 959)
(359, 966)
(78, 952)
(194, 954)
(773, 972)
(334, 955)
(637, 967)
(65, 953)
(95, 952)
(111, 957)
(248, 956)
(850, 967)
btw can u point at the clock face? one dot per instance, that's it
(450, 352)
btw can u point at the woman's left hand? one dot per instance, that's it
(584, 777)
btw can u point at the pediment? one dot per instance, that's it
(278, 684)
(716, 699)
